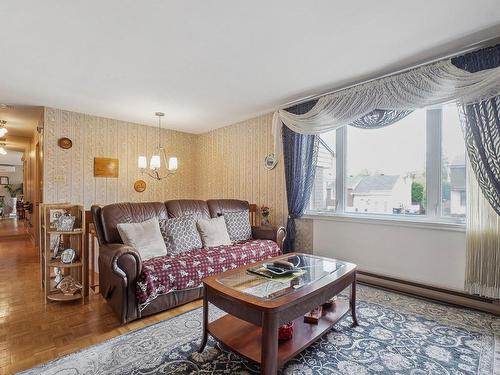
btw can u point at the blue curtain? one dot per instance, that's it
(481, 126)
(300, 154)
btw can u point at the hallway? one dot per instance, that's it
(13, 228)
(32, 332)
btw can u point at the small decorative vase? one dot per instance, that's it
(265, 220)
(285, 332)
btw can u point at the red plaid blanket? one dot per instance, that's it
(185, 271)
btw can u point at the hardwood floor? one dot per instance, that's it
(13, 228)
(32, 332)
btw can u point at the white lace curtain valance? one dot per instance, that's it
(432, 84)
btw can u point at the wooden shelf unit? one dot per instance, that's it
(70, 239)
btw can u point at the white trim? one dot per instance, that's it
(399, 221)
(433, 161)
(340, 166)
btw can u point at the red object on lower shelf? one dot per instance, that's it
(285, 332)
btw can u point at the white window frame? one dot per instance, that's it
(434, 152)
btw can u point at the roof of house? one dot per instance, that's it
(368, 184)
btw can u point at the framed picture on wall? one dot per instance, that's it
(4, 180)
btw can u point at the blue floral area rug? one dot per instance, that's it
(397, 335)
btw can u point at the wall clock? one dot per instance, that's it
(65, 143)
(140, 186)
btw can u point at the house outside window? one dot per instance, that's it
(412, 169)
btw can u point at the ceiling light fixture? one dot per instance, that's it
(2, 149)
(3, 129)
(155, 161)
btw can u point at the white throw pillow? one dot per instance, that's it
(213, 232)
(145, 237)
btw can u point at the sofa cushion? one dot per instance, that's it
(116, 213)
(213, 232)
(183, 207)
(238, 225)
(167, 238)
(145, 237)
(180, 234)
(185, 271)
(218, 206)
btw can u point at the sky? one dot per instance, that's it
(400, 148)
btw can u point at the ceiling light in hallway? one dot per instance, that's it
(3, 129)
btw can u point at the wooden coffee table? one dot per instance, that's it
(257, 306)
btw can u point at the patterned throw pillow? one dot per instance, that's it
(180, 234)
(238, 225)
(167, 238)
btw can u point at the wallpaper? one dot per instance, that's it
(69, 174)
(224, 163)
(230, 164)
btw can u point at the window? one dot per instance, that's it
(453, 166)
(323, 193)
(385, 168)
(415, 168)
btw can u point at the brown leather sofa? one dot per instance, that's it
(120, 265)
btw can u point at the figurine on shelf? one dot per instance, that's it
(65, 223)
(69, 286)
(59, 275)
(265, 212)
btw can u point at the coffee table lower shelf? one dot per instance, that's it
(245, 338)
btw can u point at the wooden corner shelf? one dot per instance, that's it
(75, 232)
(65, 297)
(59, 264)
(53, 241)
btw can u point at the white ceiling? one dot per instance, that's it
(12, 158)
(209, 63)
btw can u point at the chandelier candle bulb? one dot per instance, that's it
(142, 162)
(155, 162)
(172, 164)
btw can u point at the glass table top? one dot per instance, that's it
(311, 268)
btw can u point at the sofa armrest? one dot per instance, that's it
(119, 268)
(121, 259)
(276, 234)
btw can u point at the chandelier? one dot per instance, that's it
(155, 161)
(3, 129)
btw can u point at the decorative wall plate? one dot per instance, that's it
(68, 256)
(140, 186)
(65, 143)
(270, 161)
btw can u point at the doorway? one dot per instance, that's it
(20, 172)
(12, 211)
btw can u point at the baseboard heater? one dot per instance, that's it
(430, 292)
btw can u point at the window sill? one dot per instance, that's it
(408, 222)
